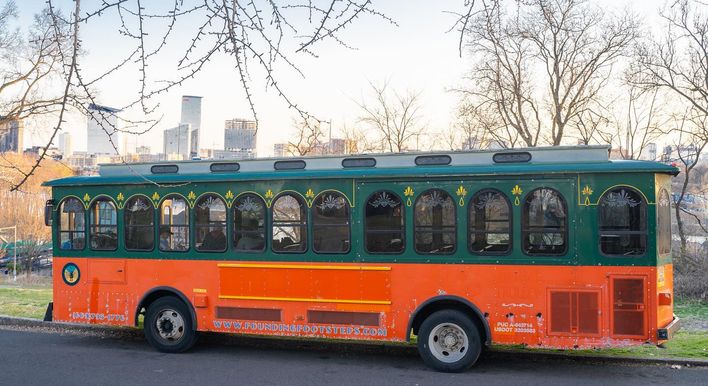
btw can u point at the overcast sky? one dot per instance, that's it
(416, 55)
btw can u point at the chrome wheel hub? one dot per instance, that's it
(170, 325)
(448, 342)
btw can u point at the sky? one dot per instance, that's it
(417, 55)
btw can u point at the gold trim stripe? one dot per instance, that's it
(314, 300)
(300, 266)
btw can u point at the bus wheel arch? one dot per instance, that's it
(160, 292)
(449, 302)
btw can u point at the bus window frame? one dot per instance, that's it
(311, 224)
(454, 232)
(306, 225)
(59, 223)
(194, 225)
(510, 223)
(403, 230)
(266, 224)
(189, 226)
(125, 226)
(599, 232)
(524, 216)
(89, 212)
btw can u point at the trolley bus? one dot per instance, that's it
(546, 247)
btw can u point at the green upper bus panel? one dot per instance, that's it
(548, 160)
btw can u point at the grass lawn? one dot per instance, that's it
(32, 303)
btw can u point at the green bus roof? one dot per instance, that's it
(548, 160)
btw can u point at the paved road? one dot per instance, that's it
(30, 357)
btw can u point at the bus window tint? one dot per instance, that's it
(289, 224)
(210, 213)
(139, 219)
(435, 223)
(664, 222)
(330, 223)
(249, 223)
(71, 224)
(623, 223)
(104, 226)
(489, 223)
(544, 223)
(384, 225)
(174, 224)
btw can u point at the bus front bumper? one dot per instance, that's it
(668, 332)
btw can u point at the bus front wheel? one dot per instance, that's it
(168, 325)
(449, 341)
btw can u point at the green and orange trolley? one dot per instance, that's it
(546, 247)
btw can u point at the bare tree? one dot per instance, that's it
(394, 117)
(254, 35)
(573, 42)
(635, 125)
(308, 138)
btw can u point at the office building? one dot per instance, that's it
(64, 144)
(177, 141)
(192, 115)
(11, 135)
(102, 129)
(240, 135)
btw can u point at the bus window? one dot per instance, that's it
(489, 223)
(249, 223)
(174, 224)
(103, 225)
(384, 223)
(289, 224)
(330, 223)
(71, 224)
(623, 223)
(210, 228)
(544, 223)
(664, 222)
(139, 218)
(435, 223)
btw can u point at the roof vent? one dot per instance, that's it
(507, 158)
(358, 162)
(224, 167)
(289, 165)
(164, 169)
(428, 160)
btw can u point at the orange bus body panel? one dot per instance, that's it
(540, 306)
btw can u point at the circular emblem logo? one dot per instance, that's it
(71, 274)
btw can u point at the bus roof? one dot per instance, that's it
(542, 160)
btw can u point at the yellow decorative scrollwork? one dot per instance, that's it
(120, 197)
(409, 193)
(229, 198)
(461, 192)
(517, 192)
(587, 192)
(155, 199)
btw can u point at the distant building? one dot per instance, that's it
(649, 152)
(11, 136)
(192, 115)
(280, 150)
(240, 135)
(102, 129)
(64, 144)
(35, 151)
(337, 146)
(177, 141)
(228, 154)
(142, 150)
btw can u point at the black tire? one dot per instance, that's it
(451, 323)
(162, 319)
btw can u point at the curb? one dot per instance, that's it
(362, 347)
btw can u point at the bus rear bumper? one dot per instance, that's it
(668, 332)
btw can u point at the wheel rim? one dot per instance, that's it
(448, 342)
(170, 325)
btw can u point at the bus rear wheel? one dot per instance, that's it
(449, 341)
(168, 325)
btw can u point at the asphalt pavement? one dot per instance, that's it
(31, 358)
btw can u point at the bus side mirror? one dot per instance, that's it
(48, 209)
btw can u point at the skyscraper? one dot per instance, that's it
(102, 129)
(11, 136)
(65, 144)
(192, 115)
(177, 140)
(240, 134)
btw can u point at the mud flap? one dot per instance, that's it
(49, 312)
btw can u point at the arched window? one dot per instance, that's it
(72, 226)
(544, 223)
(623, 222)
(139, 222)
(489, 223)
(103, 225)
(249, 223)
(384, 224)
(663, 215)
(435, 223)
(330, 223)
(210, 228)
(289, 224)
(174, 224)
